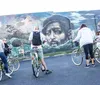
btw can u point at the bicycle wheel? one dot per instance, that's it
(97, 55)
(0, 73)
(77, 57)
(35, 66)
(10, 66)
(15, 63)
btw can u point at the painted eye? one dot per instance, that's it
(48, 33)
(57, 31)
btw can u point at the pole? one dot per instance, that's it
(95, 23)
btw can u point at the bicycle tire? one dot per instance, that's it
(97, 55)
(16, 64)
(35, 66)
(77, 57)
(35, 71)
(10, 67)
(1, 73)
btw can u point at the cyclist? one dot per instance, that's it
(4, 58)
(36, 38)
(7, 49)
(85, 37)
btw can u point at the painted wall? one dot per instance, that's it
(59, 28)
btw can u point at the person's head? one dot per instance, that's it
(98, 26)
(4, 40)
(98, 33)
(82, 26)
(57, 29)
(36, 28)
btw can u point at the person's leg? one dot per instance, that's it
(91, 52)
(41, 57)
(4, 60)
(44, 66)
(86, 54)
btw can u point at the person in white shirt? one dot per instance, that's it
(86, 37)
(36, 38)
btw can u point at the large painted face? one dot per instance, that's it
(54, 34)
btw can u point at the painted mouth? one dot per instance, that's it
(54, 43)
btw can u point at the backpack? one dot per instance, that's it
(7, 50)
(36, 38)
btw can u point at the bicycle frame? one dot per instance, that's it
(35, 62)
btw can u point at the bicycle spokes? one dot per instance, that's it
(77, 57)
(97, 55)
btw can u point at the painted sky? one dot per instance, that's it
(76, 17)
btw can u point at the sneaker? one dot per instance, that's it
(48, 72)
(7, 74)
(93, 65)
(43, 70)
(87, 66)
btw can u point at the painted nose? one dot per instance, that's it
(52, 36)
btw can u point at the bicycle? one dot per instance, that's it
(97, 53)
(35, 61)
(78, 54)
(2, 70)
(15, 62)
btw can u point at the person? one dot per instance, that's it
(97, 39)
(4, 58)
(98, 26)
(7, 49)
(86, 37)
(57, 30)
(36, 38)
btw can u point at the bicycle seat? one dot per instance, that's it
(35, 46)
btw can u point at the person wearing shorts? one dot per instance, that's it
(36, 38)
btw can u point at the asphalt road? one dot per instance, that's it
(64, 73)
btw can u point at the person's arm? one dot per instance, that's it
(6, 45)
(30, 37)
(77, 37)
(3, 46)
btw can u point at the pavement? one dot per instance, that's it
(64, 72)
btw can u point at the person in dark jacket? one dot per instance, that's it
(7, 49)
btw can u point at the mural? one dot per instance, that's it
(57, 30)
(58, 27)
